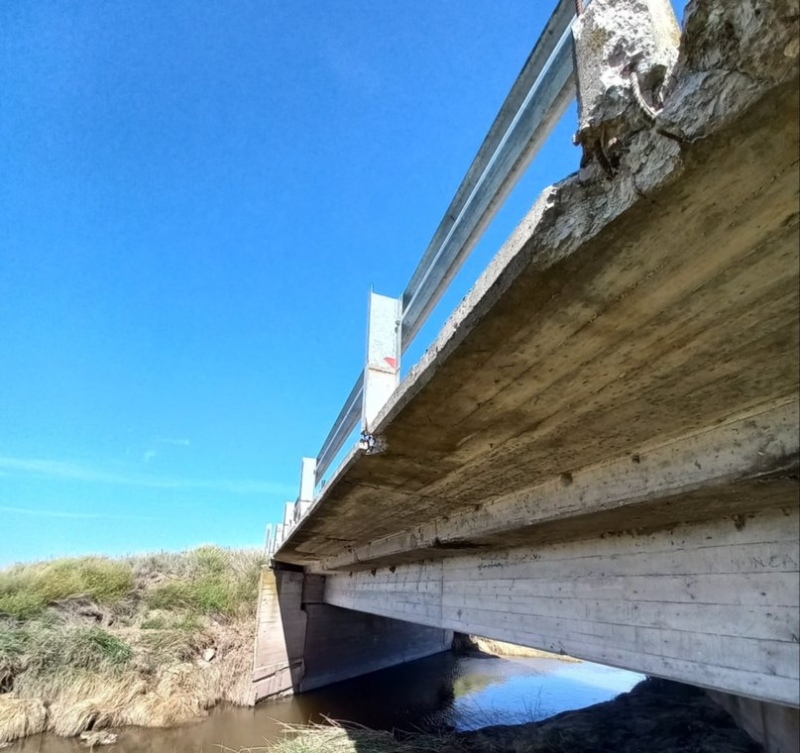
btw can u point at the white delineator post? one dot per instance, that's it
(308, 475)
(382, 372)
(288, 518)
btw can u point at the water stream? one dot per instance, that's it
(464, 692)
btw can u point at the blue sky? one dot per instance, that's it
(195, 198)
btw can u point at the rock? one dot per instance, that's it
(209, 654)
(100, 737)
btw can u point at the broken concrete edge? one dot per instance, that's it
(730, 55)
(625, 52)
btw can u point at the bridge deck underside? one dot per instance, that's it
(629, 360)
(714, 605)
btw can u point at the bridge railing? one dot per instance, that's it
(538, 98)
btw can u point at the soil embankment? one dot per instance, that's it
(93, 643)
(473, 643)
(657, 716)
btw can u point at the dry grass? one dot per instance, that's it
(126, 658)
(339, 738)
(501, 648)
(20, 717)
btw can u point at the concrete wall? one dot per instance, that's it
(303, 643)
(776, 727)
(714, 604)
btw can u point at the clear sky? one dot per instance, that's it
(195, 198)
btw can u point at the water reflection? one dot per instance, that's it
(464, 692)
(525, 690)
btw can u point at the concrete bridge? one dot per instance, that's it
(599, 453)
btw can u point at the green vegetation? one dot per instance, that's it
(45, 648)
(91, 641)
(204, 581)
(211, 587)
(27, 590)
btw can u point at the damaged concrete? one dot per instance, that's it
(625, 53)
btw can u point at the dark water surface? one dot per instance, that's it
(465, 692)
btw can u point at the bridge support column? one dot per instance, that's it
(303, 643)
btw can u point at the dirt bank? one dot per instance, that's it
(475, 644)
(94, 643)
(657, 716)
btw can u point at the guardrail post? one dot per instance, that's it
(288, 517)
(268, 534)
(308, 477)
(382, 372)
(279, 536)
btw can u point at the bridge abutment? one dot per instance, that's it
(776, 727)
(303, 643)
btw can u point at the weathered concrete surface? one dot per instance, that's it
(776, 727)
(625, 316)
(303, 643)
(714, 606)
(625, 53)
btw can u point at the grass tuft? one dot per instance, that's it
(218, 583)
(27, 590)
(41, 649)
(339, 738)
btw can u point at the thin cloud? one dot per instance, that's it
(65, 514)
(76, 472)
(175, 442)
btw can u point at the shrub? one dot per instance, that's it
(13, 645)
(159, 622)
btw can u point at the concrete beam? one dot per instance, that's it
(712, 603)
(656, 484)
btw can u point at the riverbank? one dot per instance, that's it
(93, 643)
(657, 716)
(472, 643)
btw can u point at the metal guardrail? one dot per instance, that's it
(537, 100)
